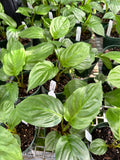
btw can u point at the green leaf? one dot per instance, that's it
(113, 117)
(72, 85)
(96, 6)
(41, 110)
(114, 76)
(31, 2)
(32, 32)
(106, 61)
(37, 53)
(3, 76)
(9, 91)
(59, 27)
(1, 8)
(78, 132)
(83, 105)
(42, 9)
(51, 140)
(79, 14)
(8, 20)
(117, 17)
(72, 21)
(98, 147)
(12, 33)
(9, 148)
(70, 147)
(114, 55)
(6, 107)
(109, 15)
(114, 6)
(14, 60)
(40, 73)
(113, 97)
(68, 1)
(24, 11)
(74, 54)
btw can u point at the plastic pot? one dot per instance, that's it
(3, 43)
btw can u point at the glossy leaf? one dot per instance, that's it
(32, 32)
(113, 97)
(9, 148)
(109, 15)
(74, 54)
(31, 2)
(14, 60)
(83, 105)
(40, 73)
(113, 117)
(114, 76)
(37, 53)
(72, 85)
(8, 20)
(98, 147)
(114, 55)
(59, 27)
(41, 110)
(41, 9)
(117, 17)
(114, 6)
(70, 147)
(3, 76)
(51, 140)
(96, 6)
(1, 8)
(24, 11)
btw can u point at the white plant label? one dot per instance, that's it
(52, 88)
(24, 122)
(78, 34)
(50, 15)
(29, 5)
(88, 136)
(86, 1)
(60, 39)
(104, 7)
(110, 25)
(77, 22)
(23, 23)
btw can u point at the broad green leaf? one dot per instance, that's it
(114, 76)
(113, 97)
(1, 8)
(83, 105)
(72, 85)
(59, 27)
(3, 76)
(9, 148)
(114, 55)
(109, 15)
(12, 33)
(24, 11)
(74, 54)
(79, 14)
(14, 60)
(98, 147)
(42, 9)
(37, 53)
(66, 42)
(96, 27)
(87, 8)
(32, 32)
(9, 91)
(8, 20)
(114, 6)
(31, 2)
(72, 21)
(41, 110)
(96, 6)
(70, 147)
(6, 107)
(41, 73)
(113, 117)
(117, 17)
(78, 132)
(106, 61)
(68, 1)
(51, 140)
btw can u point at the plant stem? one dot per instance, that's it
(22, 78)
(19, 83)
(57, 78)
(66, 127)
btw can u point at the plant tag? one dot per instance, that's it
(77, 22)
(52, 85)
(88, 136)
(50, 15)
(104, 7)
(23, 23)
(109, 28)
(51, 93)
(60, 39)
(29, 5)
(78, 33)
(86, 1)
(24, 122)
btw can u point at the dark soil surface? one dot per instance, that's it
(112, 49)
(85, 35)
(26, 133)
(106, 134)
(64, 79)
(24, 41)
(52, 57)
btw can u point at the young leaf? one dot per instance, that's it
(9, 148)
(59, 27)
(41, 9)
(96, 6)
(98, 147)
(70, 147)
(114, 55)
(14, 60)
(3, 76)
(113, 97)
(114, 76)
(41, 73)
(83, 105)
(41, 110)
(24, 11)
(32, 32)
(74, 54)
(51, 140)
(72, 85)
(113, 117)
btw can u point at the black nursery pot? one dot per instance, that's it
(105, 70)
